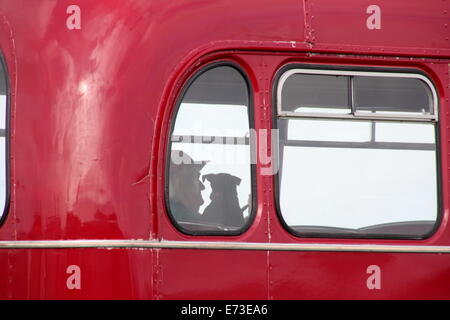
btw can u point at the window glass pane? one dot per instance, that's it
(3, 134)
(316, 93)
(405, 132)
(221, 85)
(2, 111)
(353, 177)
(209, 171)
(358, 184)
(220, 120)
(329, 130)
(357, 188)
(2, 174)
(392, 95)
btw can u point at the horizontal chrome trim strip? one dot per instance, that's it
(358, 115)
(213, 245)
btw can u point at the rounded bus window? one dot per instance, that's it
(4, 127)
(209, 181)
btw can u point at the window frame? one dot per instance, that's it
(7, 141)
(357, 115)
(287, 70)
(172, 120)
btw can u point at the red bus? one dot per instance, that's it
(294, 149)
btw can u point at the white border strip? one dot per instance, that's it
(213, 245)
(287, 74)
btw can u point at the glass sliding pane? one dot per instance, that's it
(394, 96)
(306, 93)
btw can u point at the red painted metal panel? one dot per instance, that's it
(80, 183)
(411, 27)
(90, 114)
(5, 267)
(7, 46)
(100, 274)
(342, 275)
(206, 274)
(257, 231)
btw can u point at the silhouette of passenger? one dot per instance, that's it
(185, 187)
(224, 208)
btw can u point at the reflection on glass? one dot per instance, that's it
(230, 159)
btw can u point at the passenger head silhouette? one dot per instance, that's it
(185, 186)
(224, 207)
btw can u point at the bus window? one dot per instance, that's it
(209, 187)
(4, 183)
(358, 154)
